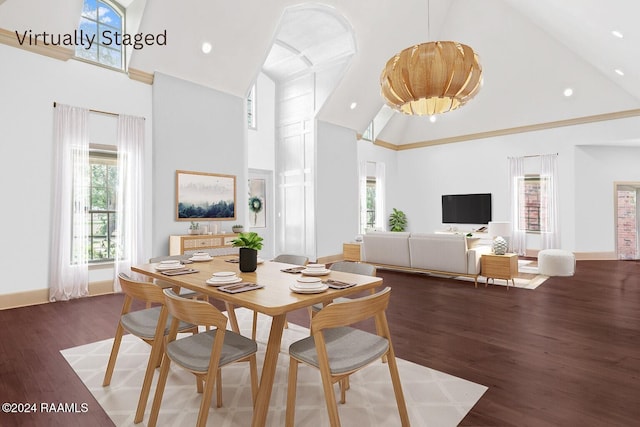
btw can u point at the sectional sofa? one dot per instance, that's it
(446, 254)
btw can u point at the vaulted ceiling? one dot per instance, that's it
(530, 51)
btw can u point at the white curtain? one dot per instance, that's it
(381, 217)
(518, 240)
(550, 238)
(129, 211)
(68, 264)
(362, 185)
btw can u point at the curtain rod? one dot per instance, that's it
(97, 111)
(532, 155)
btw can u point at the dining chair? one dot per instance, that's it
(150, 325)
(338, 350)
(347, 267)
(292, 259)
(202, 354)
(285, 259)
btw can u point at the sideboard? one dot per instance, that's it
(215, 244)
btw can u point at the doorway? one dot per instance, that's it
(261, 209)
(627, 219)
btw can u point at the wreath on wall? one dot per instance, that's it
(255, 206)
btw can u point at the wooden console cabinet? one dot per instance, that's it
(500, 267)
(215, 244)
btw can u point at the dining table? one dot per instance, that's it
(274, 298)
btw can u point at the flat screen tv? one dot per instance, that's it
(466, 208)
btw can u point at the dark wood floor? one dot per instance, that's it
(565, 354)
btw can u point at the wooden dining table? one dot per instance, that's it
(274, 299)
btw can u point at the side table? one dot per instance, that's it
(351, 251)
(499, 267)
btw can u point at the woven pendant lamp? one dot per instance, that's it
(431, 78)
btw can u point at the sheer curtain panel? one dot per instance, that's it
(129, 210)
(68, 267)
(381, 217)
(518, 239)
(550, 237)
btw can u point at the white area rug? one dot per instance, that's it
(434, 399)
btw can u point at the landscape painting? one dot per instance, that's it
(201, 195)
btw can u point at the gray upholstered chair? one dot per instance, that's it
(348, 267)
(150, 325)
(202, 354)
(183, 292)
(292, 259)
(338, 350)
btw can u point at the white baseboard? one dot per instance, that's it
(41, 296)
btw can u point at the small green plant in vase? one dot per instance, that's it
(194, 228)
(249, 243)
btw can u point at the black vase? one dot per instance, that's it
(248, 260)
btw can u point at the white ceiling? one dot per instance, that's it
(530, 52)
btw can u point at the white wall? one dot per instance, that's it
(336, 188)
(586, 176)
(29, 84)
(195, 129)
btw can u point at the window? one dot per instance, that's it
(368, 133)
(532, 203)
(100, 20)
(251, 108)
(371, 202)
(101, 213)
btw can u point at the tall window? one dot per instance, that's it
(100, 21)
(371, 202)
(368, 133)
(101, 214)
(251, 108)
(532, 203)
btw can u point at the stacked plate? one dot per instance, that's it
(223, 278)
(170, 264)
(308, 285)
(201, 256)
(315, 270)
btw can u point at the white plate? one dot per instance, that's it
(169, 267)
(169, 261)
(223, 282)
(309, 283)
(260, 260)
(318, 266)
(315, 272)
(224, 274)
(198, 259)
(298, 290)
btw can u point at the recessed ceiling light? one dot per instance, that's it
(353, 105)
(619, 72)
(617, 34)
(568, 92)
(432, 119)
(206, 47)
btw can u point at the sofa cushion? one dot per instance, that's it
(442, 252)
(390, 248)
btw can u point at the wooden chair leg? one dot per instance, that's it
(219, 389)
(157, 398)
(207, 395)
(397, 389)
(254, 325)
(253, 367)
(115, 348)
(154, 358)
(291, 392)
(343, 390)
(330, 399)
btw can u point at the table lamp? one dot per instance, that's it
(499, 230)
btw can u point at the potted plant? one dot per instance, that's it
(194, 228)
(237, 228)
(249, 243)
(397, 220)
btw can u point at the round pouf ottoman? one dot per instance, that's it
(556, 262)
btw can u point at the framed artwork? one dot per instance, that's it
(257, 200)
(201, 195)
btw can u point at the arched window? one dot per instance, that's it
(101, 20)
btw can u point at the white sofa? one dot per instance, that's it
(424, 252)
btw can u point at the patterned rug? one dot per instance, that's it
(433, 398)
